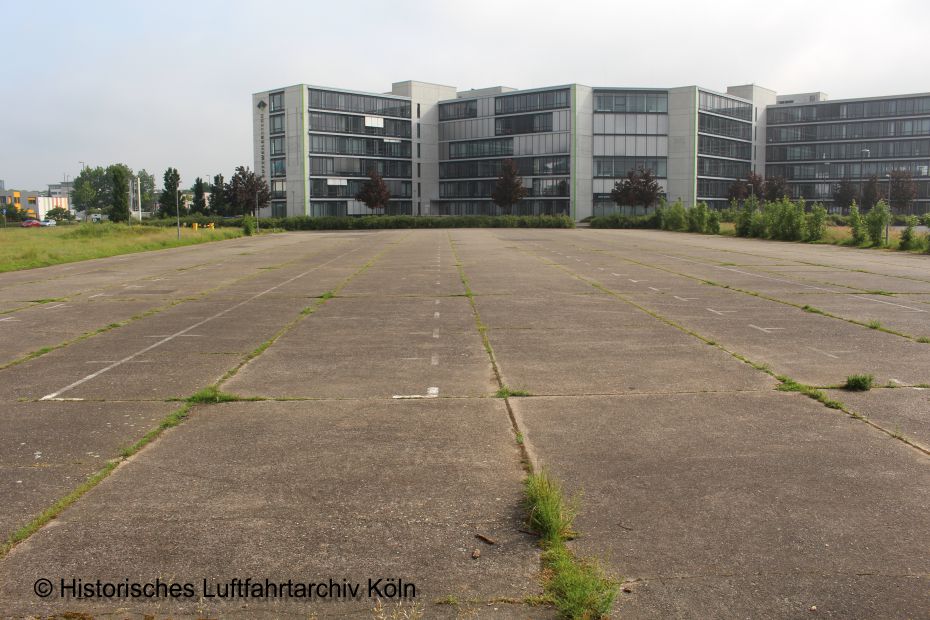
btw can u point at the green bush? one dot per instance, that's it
(859, 383)
(248, 225)
(856, 224)
(729, 214)
(876, 220)
(697, 218)
(816, 223)
(713, 222)
(744, 217)
(371, 222)
(757, 225)
(615, 220)
(675, 217)
(908, 238)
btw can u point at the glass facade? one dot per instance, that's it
(481, 148)
(905, 106)
(360, 104)
(725, 148)
(344, 123)
(526, 166)
(725, 106)
(323, 188)
(631, 102)
(618, 167)
(342, 145)
(530, 102)
(458, 109)
(356, 167)
(526, 123)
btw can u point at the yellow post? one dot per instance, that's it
(195, 225)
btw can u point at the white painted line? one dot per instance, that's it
(601, 268)
(132, 286)
(637, 281)
(432, 392)
(657, 290)
(436, 333)
(880, 301)
(101, 295)
(435, 315)
(9, 318)
(182, 336)
(685, 298)
(618, 274)
(57, 306)
(824, 353)
(434, 361)
(437, 302)
(63, 399)
(144, 350)
(767, 330)
(720, 312)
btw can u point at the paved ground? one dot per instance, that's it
(376, 447)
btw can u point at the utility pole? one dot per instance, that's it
(177, 206)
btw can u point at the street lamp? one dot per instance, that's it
(890, 210)
(177, 206)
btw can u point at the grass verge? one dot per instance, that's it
(28, 248)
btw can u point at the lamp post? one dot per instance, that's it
(177, 206)
(890, 210)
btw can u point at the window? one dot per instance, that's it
(362, 104)
(618, 167)
(277, 145)
(278, 189)
(418, 149)
(419, 172)
(725, 106)
(278, 167)
(277, 123)
(526, 166)
(458, 109)
(343, 123)
(732, 128)
(481, 148)
(278, 209)
(357, 167)
(418, 130)
(631, 102)
(345, 145)
(527, 123)
(276, 101)
(528, 102)
(418, 110)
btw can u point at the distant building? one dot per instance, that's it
(2, 185)
(35, 204)
(440, 150)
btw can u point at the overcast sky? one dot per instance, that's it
(167, 83)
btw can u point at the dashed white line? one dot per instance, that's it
(724, 312)
(436, 333)
(767, 330)
(434, 361)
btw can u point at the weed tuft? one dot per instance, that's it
(859, 383)
(578, 588)
(506, 392)
(211, 395)
(812, 309)
(550, 514)
(924, 340)
(874, 324)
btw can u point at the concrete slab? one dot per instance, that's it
(48, 448)
(899, 410)
(264, 497)
(769, 501)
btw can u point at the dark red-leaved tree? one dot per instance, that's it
(509, 189)
(374, 192)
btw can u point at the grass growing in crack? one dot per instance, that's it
(924, 340)
(859, 383)
(327, 295)
(577, 587)
(790, 385)
(519, 438)
(812, 309)
(212, 394)
(874, 325)
(885, 293)
(506, 392)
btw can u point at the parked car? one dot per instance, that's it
(30, 223)
(49, 223)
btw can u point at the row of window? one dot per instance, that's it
(618, 167)
(486, 127)
(849, 131)
(640, 146)
(278, 188)
(355, 167)
(343, 123)
(458, 109)
(725, 106)
(724, 127)
(823, 192)
(908, 106)
(710, 167)
(712, 188)
(361, 104)
(483, 188)
(526, 166)
(342, 145)
(481, 148)
(851, 150)
(277, 145)
(276, 102)
(486, 207)
(324, 188)
(721, 147)
(526, 123)
(276, 123)
(631, 102)
(340, 208)
(530, 102)
(852, 170)
(641, 124)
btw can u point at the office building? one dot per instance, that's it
(440, 150)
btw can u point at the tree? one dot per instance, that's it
(218, 203)
(845, 193)
(59, 214)
(903, 189)
(374, 192)
(876, 222)
(508, 190)
(870, 193)
(774, 188)
(739, 191)
(856, 224)
(90, 189)
(247, 192)
(639, 188)
(752, 187)
(119, 175)
(147, 186)
(200, 202)
(169, 195)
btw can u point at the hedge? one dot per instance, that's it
(383, 221)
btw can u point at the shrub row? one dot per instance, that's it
(381, 221)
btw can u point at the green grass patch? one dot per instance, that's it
(549, 513)
(924, 340)
(812, 309)
(874, 325)
(859, 383)
(506, 392)
(28, 248)
(212, 394)
(885, 293)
